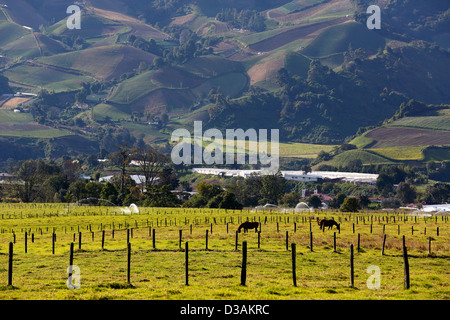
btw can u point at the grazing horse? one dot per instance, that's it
(328, 223)
(248, 225)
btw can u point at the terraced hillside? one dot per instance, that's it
(134, 62)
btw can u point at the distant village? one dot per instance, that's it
(299, 176)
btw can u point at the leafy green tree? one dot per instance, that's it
(161, 197)
(205, 192)
(384, 184)
(93, 189)
(77, 190)
(364, 201)
(32, 173)
(273, 188)
(406, 193)
(290, 199)
(109, 192)
(314, 201)
(224, 200)
(338, 200)
(350, 205)
(438, 193)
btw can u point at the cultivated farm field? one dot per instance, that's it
(153, 265)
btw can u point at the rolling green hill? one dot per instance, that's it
(366, 158)
(312, 69)
(103, 63)
(410, 138)
(10, 32)
(45, 78)
(337, 39)
(175, 88)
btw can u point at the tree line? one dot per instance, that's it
(146, 177)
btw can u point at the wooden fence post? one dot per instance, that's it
(154, 239)
(287, 240)
(311, 241)
(359, 240)
(26, 242)
(259, 239)
(244, 263)
(406, 265)
(334, 242)
(186, 262)
(129, 264)
(294, 276)
(70, 260)
(53, 242)
(206, 238)
(384, 242)
(103, 239)
(10, 263)
(352, 275)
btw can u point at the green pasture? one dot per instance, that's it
(22, 125)
(10, 32)
(134, 88)
(45, 78)
(365, 156)
(431, 122)
(337, 39)
(157, 270)
(437, 153)
(401, 153)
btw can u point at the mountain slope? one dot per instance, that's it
(310, 68)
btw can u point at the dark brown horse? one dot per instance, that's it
(328, 223)
(248, 225)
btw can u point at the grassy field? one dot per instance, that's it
(401, 153)
(431, 122)
(47, 78)
(437, 154)
(134, 88)
(337, 39)
(104, 62)
(214, 268)
(10, 32)
(21, 125)
(366, 157)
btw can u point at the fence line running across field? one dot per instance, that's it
(154, 226)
